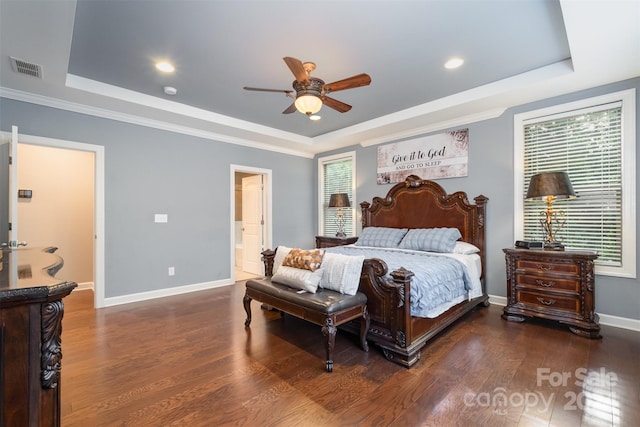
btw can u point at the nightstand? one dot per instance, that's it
(554, 285)
(329, 241)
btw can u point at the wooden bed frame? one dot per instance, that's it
(414, 203)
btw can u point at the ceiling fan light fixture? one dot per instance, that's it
(314, 117)
(308, 104)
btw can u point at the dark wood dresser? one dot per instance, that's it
(329, 241)
(554, 285)
(31, 312)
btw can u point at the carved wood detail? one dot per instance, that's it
(51, 348)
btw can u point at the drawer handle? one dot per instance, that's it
(545, 267)
(546, 301)
(545, 284)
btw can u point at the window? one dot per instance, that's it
(336, 174)
(593, 140)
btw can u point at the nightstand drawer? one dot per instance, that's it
(548, 301)
(547, 282)
(547, 266)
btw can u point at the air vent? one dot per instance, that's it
(24, 67)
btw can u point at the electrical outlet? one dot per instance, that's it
(161, 218)
(172, 271)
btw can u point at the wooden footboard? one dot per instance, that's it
(400, 336)
(389, 301)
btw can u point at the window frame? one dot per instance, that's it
(628, 138)
(351, 155)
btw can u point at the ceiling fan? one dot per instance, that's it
(311, 92)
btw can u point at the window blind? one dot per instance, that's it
(338, 178)
(587, 144)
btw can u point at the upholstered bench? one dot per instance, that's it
(326, 308)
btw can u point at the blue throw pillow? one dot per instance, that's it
(430, 239)
(381, 237)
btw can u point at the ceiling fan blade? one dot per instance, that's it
(349, 83)
(296, 67)
(292, 109)
(339, 106)
(259, 89)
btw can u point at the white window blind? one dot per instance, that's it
(336, 176)
(587, 145)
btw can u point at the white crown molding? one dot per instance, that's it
(458, 121)
(126, 95)
(142, 121)
(484, 92)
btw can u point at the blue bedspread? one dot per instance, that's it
(438, 280)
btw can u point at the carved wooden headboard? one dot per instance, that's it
(420, 203)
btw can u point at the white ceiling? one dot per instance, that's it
(97, 57)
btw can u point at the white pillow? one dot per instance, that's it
(465, 248)
(281, 253)
(298, 278)
(341, 272)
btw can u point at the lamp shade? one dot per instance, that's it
(339, 200)
(556, 184)
(308, 104)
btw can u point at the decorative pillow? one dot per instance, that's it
(381, 237)
(281, 254)
(341, 272)
(431, 239)
(298, 278)
(303, 259)
(465, 248)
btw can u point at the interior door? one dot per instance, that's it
(252, 224)
(12, 203)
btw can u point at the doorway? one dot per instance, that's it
(96, 168)
(250, 220)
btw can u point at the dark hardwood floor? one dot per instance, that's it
(189, 361)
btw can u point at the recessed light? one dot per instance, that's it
(315, 117)
(170, 90)
(454, 62)
(165, 67)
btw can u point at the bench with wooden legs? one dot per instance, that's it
(326, 308)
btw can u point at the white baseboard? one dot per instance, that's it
(605, 319)
(161, 293)
(494, 299)
(619, 322)
(85, 286)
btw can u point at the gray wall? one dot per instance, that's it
(491, 173)
(151, 171)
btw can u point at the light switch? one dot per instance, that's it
(161, 218)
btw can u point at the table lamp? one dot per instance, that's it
(549, 186)
(340, 201)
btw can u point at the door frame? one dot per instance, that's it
(98, 195)
(267, 192)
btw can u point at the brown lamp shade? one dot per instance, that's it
(555, 184)
(339, 200)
